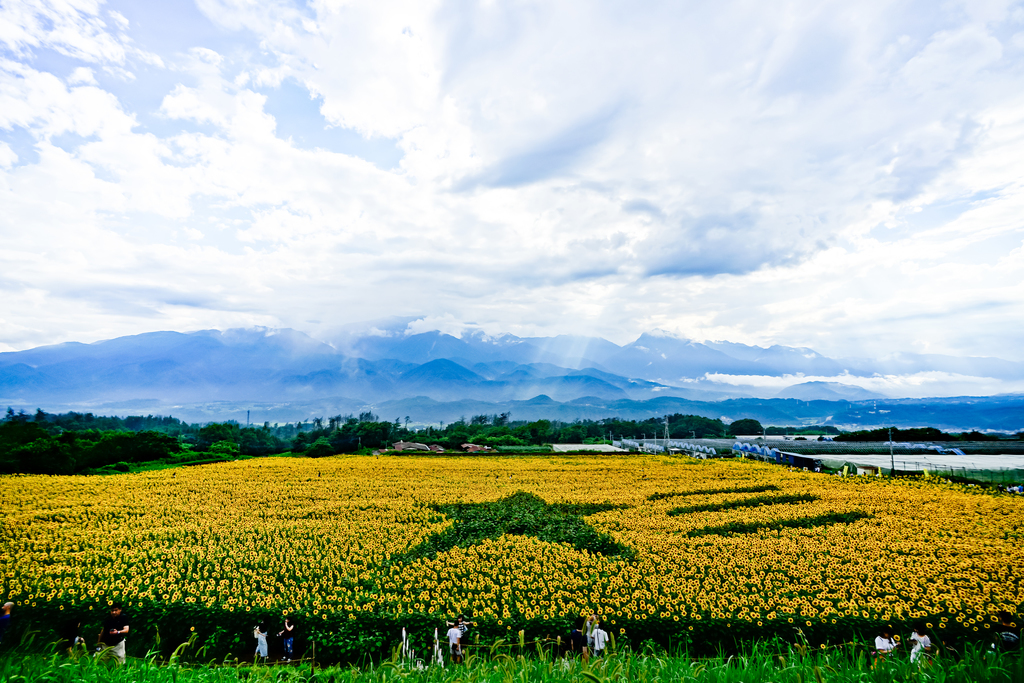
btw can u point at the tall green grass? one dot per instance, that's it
(776, 662)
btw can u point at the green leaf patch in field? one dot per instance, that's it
(712, 492)
(522, 514)
(798, 523)
(756, 501)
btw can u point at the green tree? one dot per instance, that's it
(535, 433)
(573, 434)
(745, 427)
(218, 431)
(43, 456)
(320, 448)
(225, 448)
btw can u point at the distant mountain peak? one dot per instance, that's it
(828, 391)
(392, 363)
(658, 333)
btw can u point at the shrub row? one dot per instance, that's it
(712, 492)
(757, 501)
(777, 525)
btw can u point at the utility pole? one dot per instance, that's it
(666, 432)
(892, 469)
(247, 418)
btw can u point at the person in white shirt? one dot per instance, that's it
(260, 634)
(600, 639)
(922, 643)
(455, 643)
(884, 644)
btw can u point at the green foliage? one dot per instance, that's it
(745, 427)
(978, 436)
(916, 434)
(349, 435)
(320, 448)
(813, 430)
(223, 448)
(218, 432)
(55, 444)
(754, 502)
(82, 442)
(776, 525)
(98, 449)
(524, 514)
(502, 440)
(80, 422)
(711, 492)
(695, 426)
(715, 651)
(28, 447)
(573, 434)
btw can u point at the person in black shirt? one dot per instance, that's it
(577, 641)
(289, 638)
(112, 635)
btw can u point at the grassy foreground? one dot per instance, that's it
(762, 663)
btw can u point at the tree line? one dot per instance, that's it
(67, 443)
(918, 434)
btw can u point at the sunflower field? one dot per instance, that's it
(697, 553)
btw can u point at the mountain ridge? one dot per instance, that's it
(286, 366)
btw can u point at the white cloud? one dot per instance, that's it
(83, 75)
(119, 19)
(952, 58)
(914, 385)
(843, 178)
(71, 27)
(7, 155)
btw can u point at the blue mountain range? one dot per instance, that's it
(283, 374)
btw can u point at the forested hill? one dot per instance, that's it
(69, 443)
(46, 443)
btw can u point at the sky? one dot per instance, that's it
(847, 177)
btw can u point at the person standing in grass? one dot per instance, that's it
(922, 644)
(112, 635)
(884, 644)
(455, 643)
(600, 638)
(289, 638)
(260, 634)
(461, 624)
(577, 642)
(464, 626)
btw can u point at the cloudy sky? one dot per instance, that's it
(843, 176)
